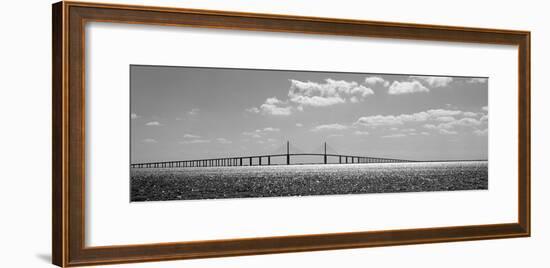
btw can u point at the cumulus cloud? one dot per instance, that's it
(406, 87)
(481, 132)
(485, 108)
(194, 141)
(258, 133)
(299, 124)
(134, 116)
(478, 80)
(379, 120)
(391, 120)
(399, 135)
(447, 132)
(149, 140)
(449, 127)
(445, 118)
(443, 121)
(316, 94)
(270, 129)
(465, 122)
(272, 106)
(434, 81)
(469, 114)
(253, 110)
(252, 134)
(329, 93)
(443, 112)
(374, 80)
(361, 133)
(153, 123)
(194, 111)
(191, 136)
(484, 118)
(223, 141)
(329, 127)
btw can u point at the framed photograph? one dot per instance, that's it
(181, 133)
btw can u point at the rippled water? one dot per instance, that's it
(299, 180)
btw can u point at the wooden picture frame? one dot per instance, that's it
(68, 164)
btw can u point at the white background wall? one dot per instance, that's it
(25, 136)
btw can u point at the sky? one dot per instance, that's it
(184, 113)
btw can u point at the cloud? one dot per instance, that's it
(253, 110)
(149, 140)
(485, 108)
(482, 132)
(443, 112)
(445, 118)
(258, 133)
(299, 125)
(434, 81)
(303, 94)
(134, 116)
(373, 80)
(406, 87)
(223, 141)
(447, 132)
(272, 106)
(484, 118)
(329, 127)
(191, 136)
(440, 120)
(153, 123)
(393, 120)
(329, 93)
(335, 135)
(399, 135)
(194, 141)
(448, 126)
(469, 114)
(252, 134)
(478, 80)
(270, 129)
(465, 122)
(194, 111)
(379, 120)
(361, 133)
(424, 133)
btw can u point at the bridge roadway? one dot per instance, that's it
(262, 160)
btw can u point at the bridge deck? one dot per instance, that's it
(249, 160)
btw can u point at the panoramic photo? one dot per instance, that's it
(212, 133)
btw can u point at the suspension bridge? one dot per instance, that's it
(269, 159)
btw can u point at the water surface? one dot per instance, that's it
(299, 180)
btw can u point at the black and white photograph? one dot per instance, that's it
(211, 133)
